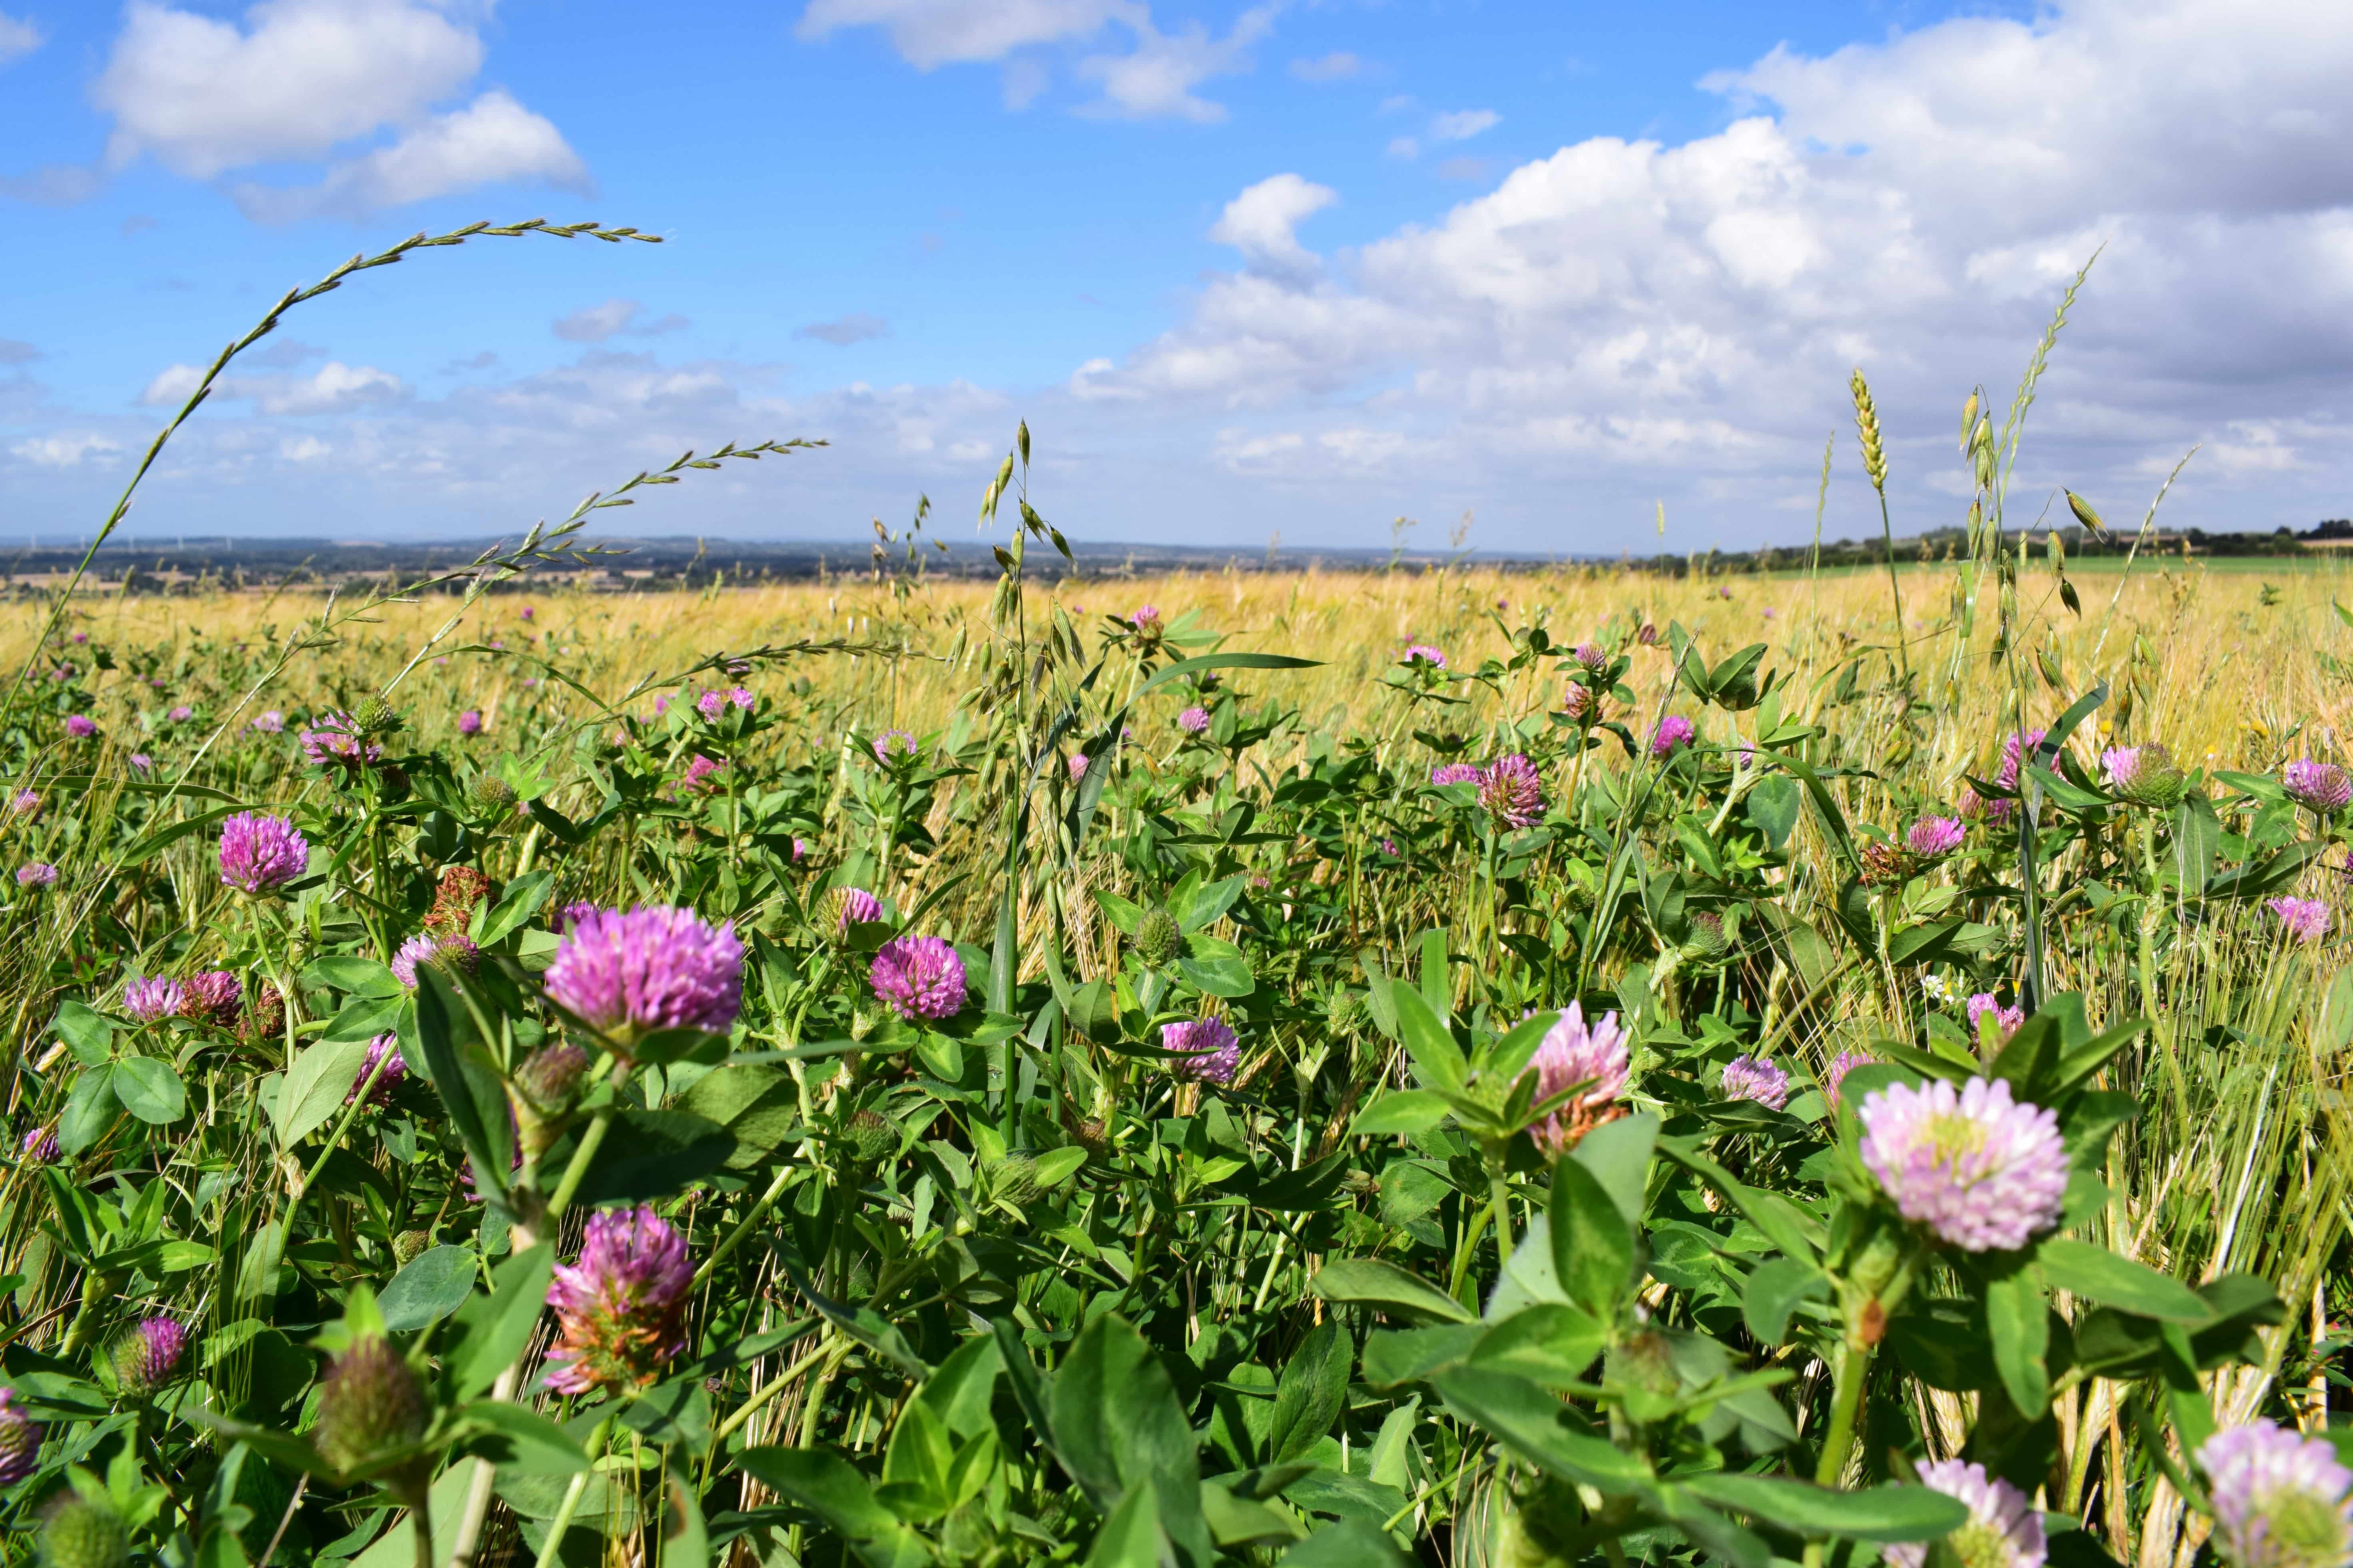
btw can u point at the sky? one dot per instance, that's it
(1296, 269)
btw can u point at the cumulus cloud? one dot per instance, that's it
(16, 351)
(594, 323)
(302, 81)
(1153, 78)
(1261, 222)
(333, 388)
(1462, 124)
(17, 38)
(1622, 307)
(844, 330)
(65, 450)
(1337, 65)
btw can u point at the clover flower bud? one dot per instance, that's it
(145, 1359)
(371, 1405)
(1157, 938)
(77, 1533)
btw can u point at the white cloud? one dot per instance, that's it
(300, 80)
(1338, 66)
(1621, 308)
(844, 330)
(17, 38)
(1406, 147)
(1154, 77)
(65, 450)
(1462, 124)
(594, 323)
(931, 33)
(1262, 221)
(492, 140)
(333, 388)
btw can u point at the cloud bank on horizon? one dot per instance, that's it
(1593, 325)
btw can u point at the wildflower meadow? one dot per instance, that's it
(1570, 1066)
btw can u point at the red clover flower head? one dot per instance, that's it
(1673, 733)
(2318, 786)
(631, 974)
(711, 704)
(1147, 619)
(1579, 703)
(152, 997)
(1592, 655)
(470, 723)
(337, 742)
(894, 745)
(452, 951)
(2306, 919)
(1757, 1078)
(1572, 1053)
(1454, 774)
(20, 1440)
(214, 995)
(742, 697)
(527, 611)
(699, 774)
(37, 874)
(145, 1358)
(2003, 1529)
(40, 1145)
(1212, 1050)
(2280, 1498)
(854, 906)
(1423, 653)
(80, 726)
(1077, 766)
(2007, 1019)
(1984, 1172)
(2008, 776)
(384, 1048)
(620, 1307)
(25, 803)
(572, 914)
(1934, 837)
(1194, 720)
(918, 977)
(181, 714)
(271, 722)
(1511, 790)
(1835, 1073)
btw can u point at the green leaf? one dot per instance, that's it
(829, 1488)
(2019, 1324)
(1409, 1111)
(1436, 1059)
(1773, 804)
(150, 1089)
(315, 1086)
(365, 1017)
(657, 1153)
(1592, 1244)
(517, 1438)
(1313, 1390)
(1369, 1282)
(1775, 1289)
(90, 1109)
(518, 901)
(1130, 1538)
(354, 975)
(429, 1287)
(1550, 1342)
(1887, 1513)
(1216, 966)
(1534, 1423)
(493, 1329)
(1619, 1155)
(2099, 1274)
(1351, 1543)
(87, 1034)
(1118, 1426)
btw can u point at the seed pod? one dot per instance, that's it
(872, 1137)
(377, 716)
(1156, 938)
(371, 1405)
(80, 1533)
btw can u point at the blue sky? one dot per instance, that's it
(1298, 267)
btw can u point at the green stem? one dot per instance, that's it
(551, 1551)
(590, 1142)
(768, 1391)
(351, 1113)
(758, 1211)
(1837, 1441)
